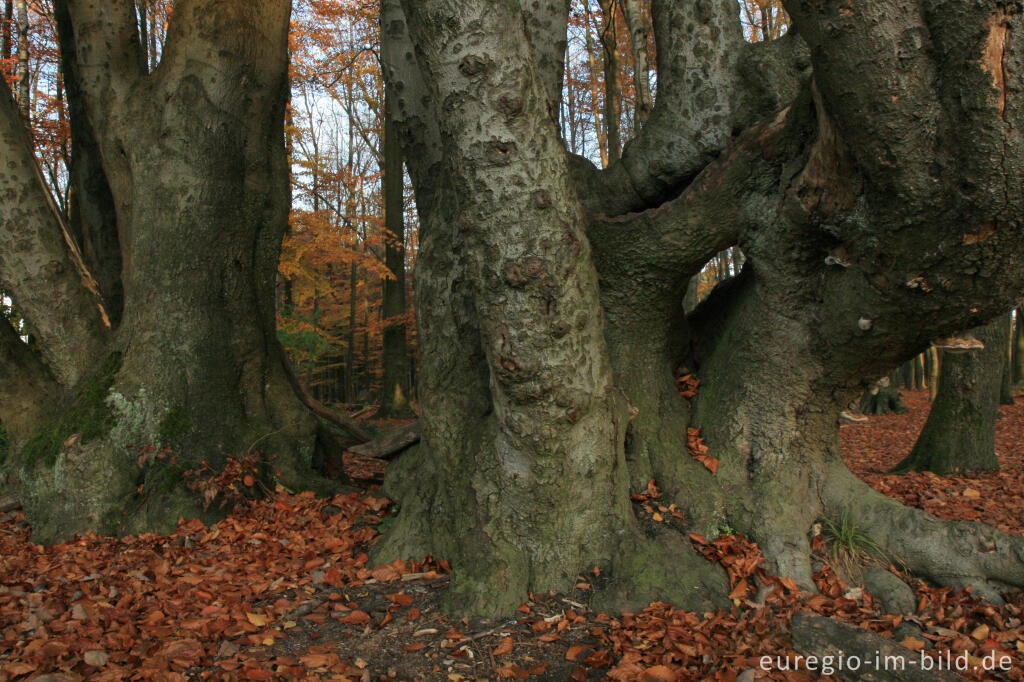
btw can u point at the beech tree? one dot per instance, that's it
(862, 164)
(960, 434)
(193, 157)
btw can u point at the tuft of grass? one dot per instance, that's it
(849, 550)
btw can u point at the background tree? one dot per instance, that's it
(549, 291)
(960, 433)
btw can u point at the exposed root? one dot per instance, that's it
(957, 554)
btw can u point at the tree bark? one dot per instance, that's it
(5, 31)
(24, 76)
(825, 183)
(1018, 347)
(640, 30)
(395, 386)
(1006, 375)
(959, 435)
(195, 160)
(612, 95)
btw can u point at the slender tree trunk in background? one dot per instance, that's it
(612, 92)
(24, 77)
(143, 10)
(5, 31)
(154, 58)
(395, 387)
(1018, 347)
(960, 432)
(1006, 384)
(639, 30)
(600, 122)
(934, 364)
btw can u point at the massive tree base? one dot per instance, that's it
(112, 463)
(777, 507)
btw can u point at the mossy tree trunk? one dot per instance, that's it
(194, 158)
(960, 433)
(549, 292)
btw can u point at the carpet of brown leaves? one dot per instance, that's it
(280, 590)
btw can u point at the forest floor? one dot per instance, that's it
(281, 590)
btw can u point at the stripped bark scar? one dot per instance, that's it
(995, 48)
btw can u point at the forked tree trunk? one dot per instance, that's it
(959, 435)
(194, 363)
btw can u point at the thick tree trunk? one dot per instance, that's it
(960, 433)
(531, 398)
(195, 364)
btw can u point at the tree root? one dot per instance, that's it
(954, 553)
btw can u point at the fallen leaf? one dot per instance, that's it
(504, 647)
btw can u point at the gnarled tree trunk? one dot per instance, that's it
(549, 293)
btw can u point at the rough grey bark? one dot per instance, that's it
(870, 203)
(194, 155)
(960, 433)
(829, 185)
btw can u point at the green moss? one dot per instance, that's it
(4, 443)
(174, 425)
(88, 415)
(165, 479)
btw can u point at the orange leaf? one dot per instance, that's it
(659, 673)
(401, 599)
(415, 646)
(574, 652)
(505, 647)
(740, 591)
(357, 617)
(249, 480)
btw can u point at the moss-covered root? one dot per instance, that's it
(662, 568)
(957, 554)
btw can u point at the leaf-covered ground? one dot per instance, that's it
(281, 590)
